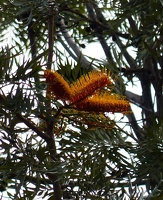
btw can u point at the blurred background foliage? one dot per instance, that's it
(54, 152)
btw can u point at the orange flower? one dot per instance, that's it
(104, 103)
(88, 84)
(84, 92)
(57, 85)
(83, 87)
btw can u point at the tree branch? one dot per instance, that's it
(67, 48)
(133, 26)
(136, 128)
(50, 36)
(97, 31)
(134, 98)
(32, 38)
(125, 53)
(73, 45)
(30, 125)
(100, 17)
(49, 123)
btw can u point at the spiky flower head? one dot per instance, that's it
(57, 85)
(104, 103)
(88, 84)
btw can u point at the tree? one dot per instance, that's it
(57, 140)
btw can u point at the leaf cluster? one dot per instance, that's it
(149, 166)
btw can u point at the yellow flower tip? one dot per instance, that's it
(57, 85)
(88, 84)
(99, 103)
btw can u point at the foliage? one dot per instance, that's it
(52, 151)
(149, 153)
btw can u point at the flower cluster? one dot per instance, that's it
(84, 93)
(104, 103)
